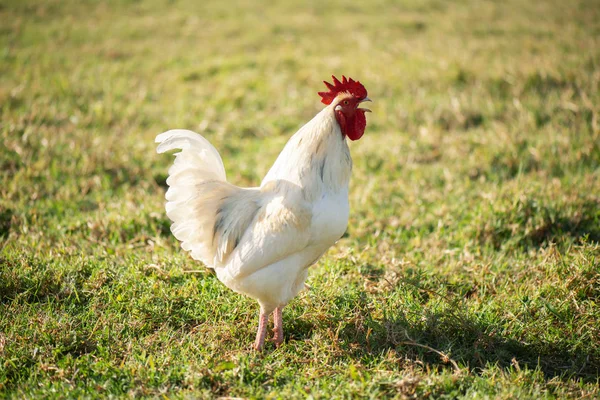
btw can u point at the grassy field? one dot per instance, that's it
(471, 265)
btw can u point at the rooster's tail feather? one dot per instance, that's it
(197, 155)
(198, 196)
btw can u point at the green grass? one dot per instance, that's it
(471, 266)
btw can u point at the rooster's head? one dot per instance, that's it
(345, 96)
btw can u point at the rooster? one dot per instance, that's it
(260, 241)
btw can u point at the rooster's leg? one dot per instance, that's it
(262, 330)
(278, 330)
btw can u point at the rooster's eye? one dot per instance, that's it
(345, 102)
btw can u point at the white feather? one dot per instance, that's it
(261, 240)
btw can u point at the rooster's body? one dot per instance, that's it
(261, 241)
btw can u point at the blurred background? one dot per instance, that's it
(477, 178)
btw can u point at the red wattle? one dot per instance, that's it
(355, 126)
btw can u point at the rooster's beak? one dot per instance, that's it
(362, 101)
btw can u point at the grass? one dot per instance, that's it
(471, 266)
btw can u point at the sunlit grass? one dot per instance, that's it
(471, 263)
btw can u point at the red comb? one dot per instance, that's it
(346, 85)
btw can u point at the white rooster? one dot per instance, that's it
(260, 241)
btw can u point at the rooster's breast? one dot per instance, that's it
(330, 218)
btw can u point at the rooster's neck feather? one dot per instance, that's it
(316, 158)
